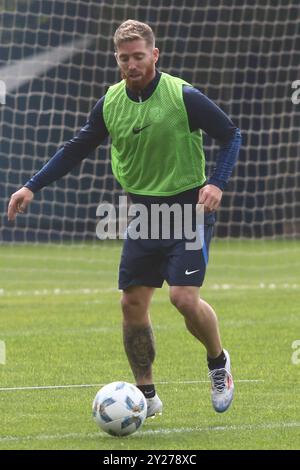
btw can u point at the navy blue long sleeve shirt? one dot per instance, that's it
(202, 114)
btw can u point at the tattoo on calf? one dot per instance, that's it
(140, 349)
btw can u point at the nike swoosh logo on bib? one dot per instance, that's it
(137, 130)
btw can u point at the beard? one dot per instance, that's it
(142, 81)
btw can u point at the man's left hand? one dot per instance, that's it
(210, 196)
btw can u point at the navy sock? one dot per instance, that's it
(147, 390)
(217, 363)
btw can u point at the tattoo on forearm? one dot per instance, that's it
(140, 349)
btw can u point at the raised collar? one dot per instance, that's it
(144, 94)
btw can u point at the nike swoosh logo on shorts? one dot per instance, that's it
(136, 130)
(187, 273)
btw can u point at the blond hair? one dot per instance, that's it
(131, 30)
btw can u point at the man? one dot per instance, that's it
(155, 123)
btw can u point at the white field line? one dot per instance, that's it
(46, 332)
(154, 432)
(87, 291)
(50, 252)
(25, 333)
(57, 387)
(56, 292)
(218, 266)
(63, 272)
(62, 259)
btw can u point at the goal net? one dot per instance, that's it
(56, 60)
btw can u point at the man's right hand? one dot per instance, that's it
(19, 202)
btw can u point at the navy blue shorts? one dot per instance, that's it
(151, 262)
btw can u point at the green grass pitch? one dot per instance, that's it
(61, 323)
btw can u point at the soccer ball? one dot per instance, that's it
(119, 408)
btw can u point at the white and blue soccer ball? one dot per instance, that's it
(119, 408)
